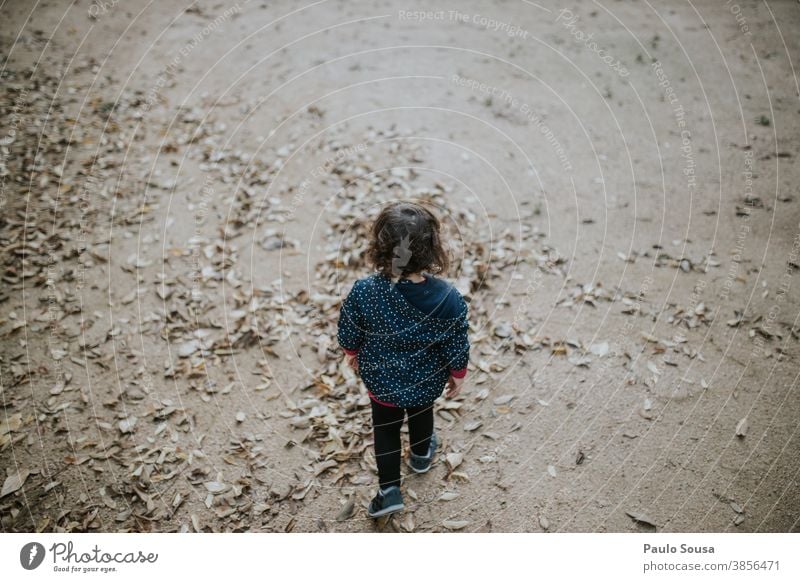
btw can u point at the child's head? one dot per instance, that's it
(405, 239)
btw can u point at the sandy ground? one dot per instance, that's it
(183, 188)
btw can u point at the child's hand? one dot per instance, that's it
(454, 386)
(352, 361)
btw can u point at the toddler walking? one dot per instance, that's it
(406, 333)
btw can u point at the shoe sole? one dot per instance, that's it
(428, 468)
(387, 510)
(420, 471)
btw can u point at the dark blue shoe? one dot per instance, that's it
(422, 464)
(386, 503)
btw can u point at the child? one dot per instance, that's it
(405, 332)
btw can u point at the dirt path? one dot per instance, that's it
(185, 192)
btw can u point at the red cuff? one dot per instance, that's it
(458, 373)
(349, 352)
(389, 404)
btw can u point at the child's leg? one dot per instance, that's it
(420, 429)
(387, 422)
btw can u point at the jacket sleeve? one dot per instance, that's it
(351, 323)
(455, 346)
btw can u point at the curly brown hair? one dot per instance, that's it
(405, 239)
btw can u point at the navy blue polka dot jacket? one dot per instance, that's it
(405, 355)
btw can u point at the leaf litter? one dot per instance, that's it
(141, 434)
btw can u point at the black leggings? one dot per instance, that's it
(387, 422)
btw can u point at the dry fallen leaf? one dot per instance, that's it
(472, 425)
(347, 510)
(127, 425)
(580, 361)
(454, 460)
(544, 523)
(14, 482)
(641, 518)
(455, 524)
(216, 487)
(11, 424)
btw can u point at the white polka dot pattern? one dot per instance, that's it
(404, 355)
